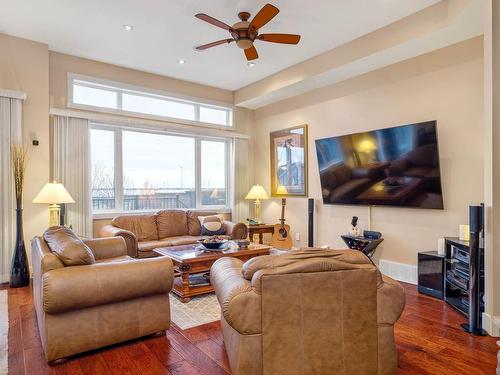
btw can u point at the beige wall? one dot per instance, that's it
(446, 86)
(24, 66)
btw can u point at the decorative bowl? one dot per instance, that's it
(212, 244)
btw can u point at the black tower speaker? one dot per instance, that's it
(474, 325)
(310, 226)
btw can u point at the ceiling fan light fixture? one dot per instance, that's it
(244, 43)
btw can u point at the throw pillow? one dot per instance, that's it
(211, 225)
(68, 247)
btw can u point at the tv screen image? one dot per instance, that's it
(396, 166)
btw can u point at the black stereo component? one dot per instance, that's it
(371, 234)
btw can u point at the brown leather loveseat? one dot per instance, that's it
(144, 233)
(308, 312)
(81, 307)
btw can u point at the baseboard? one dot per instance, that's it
(491, 324)
(406, 273)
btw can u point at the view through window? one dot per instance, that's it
(98, 94)
(156, 171)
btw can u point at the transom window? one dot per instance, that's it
(136, 170)
(97, 94)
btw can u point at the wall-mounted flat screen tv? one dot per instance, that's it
(397, 166)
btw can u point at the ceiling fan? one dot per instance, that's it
(245, 32)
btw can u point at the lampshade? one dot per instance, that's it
(53, 193)
(257, 192)
(281, 190)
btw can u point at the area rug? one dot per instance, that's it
(200, 310)
(4, 333)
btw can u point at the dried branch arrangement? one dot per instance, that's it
(19, 155)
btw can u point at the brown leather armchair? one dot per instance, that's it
(117, 298)
(308, 312)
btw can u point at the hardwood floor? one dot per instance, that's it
(428, 337)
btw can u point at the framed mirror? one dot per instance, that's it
(289, 162)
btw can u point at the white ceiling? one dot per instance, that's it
(166, 30)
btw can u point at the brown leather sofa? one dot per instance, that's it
(117, 298)
(308, 312)
(144, 233)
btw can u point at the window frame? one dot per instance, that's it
(121, 88)
(118, 168)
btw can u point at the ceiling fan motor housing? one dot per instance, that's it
(245, 36)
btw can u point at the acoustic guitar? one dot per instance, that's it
(282, 238)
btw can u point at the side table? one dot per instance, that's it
(363, 244)
(259, 229)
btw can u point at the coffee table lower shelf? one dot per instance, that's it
(185, 290)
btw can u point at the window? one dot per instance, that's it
(97, 94)
(158, 171)
(93, 96)
(143, 170)
(213, 173)
(156, 106)
(102, 145)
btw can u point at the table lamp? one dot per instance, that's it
(54, 194)
(257, 192)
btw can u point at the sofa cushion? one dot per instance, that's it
(211, 225)
(143, 226)
(184, 240)
(172, 223)
(194, 227)
(150, 245)
(306, 260)
(68, 247)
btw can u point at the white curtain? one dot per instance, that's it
(10, 132)
(241, 179)
(71, 167)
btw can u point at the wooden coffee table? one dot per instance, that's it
(189, 260)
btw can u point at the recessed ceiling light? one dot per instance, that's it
(128, 27)
(251, 64)
(181, 61)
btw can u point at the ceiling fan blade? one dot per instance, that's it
(265, 15)
(280, 38)
(213, 44)
(213, 21)
(251, 53)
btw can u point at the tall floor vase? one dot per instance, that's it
(19, 272)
